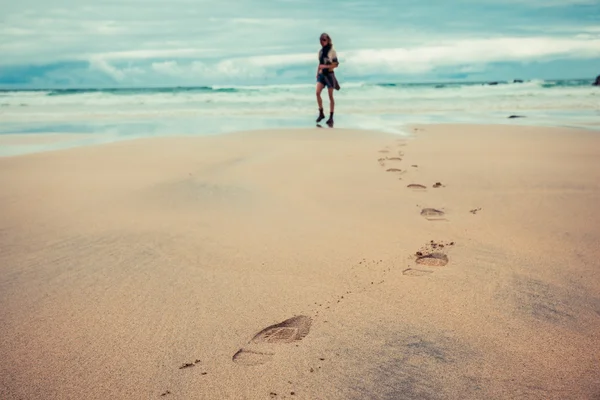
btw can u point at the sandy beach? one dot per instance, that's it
(461, 263)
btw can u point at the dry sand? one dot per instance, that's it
(156, 268)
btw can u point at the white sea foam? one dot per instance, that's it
(353, 97)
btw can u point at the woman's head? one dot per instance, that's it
(325, 39)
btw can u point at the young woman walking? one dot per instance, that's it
(328, 61)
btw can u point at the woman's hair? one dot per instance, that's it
(326, 35)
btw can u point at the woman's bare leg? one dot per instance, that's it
(320, 102)
(331, 106)
(319, 99)
(331, 101)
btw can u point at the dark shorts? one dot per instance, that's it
(329, 81)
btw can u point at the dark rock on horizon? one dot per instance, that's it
(517, 116)
(597, 82)
(493, 83)
(517, 81)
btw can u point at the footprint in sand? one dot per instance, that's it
(416, 186)
(433, 259)
(383, 161)
(261, 348)
(433, 214)
(416, 272)
(433, 254)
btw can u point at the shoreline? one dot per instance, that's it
(264, 263)
(17, 144)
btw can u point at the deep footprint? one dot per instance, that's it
(432, 213)
(416, 186)
(433, 260)
(416, 272)
(260, 348)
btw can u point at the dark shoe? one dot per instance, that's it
(330, 122)
(321, 116)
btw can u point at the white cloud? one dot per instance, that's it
(198, 71)
(147, 54)
(476, 51)
(167, 67)
(103, 66)
(278, 60)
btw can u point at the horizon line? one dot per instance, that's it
(233, 86)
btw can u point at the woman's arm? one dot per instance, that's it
(332, 65)
(328, 66)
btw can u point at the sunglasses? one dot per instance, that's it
(323, 39)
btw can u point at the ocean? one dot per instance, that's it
(106, 115)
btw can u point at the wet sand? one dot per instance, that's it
(461, 263)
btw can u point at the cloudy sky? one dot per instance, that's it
(127, 43)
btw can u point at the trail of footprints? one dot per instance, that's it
(262, 347)
(433, 254)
